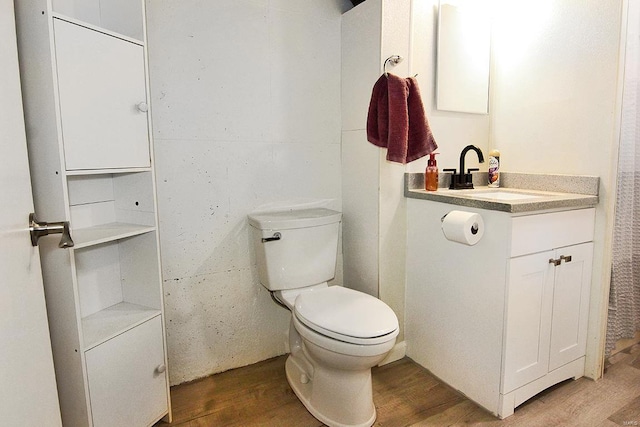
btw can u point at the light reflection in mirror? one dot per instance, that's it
(463, 56)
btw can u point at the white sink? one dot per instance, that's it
(502, 195)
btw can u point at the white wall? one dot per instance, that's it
(554, 108)
(373, 199)
(396, 40)
(361, 56)
(452, 131)
(374, 236)
(246, 112)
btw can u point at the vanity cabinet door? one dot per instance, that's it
(528, 319)
(572, 286)
(102, 98)
(547, 312)
(126, 378)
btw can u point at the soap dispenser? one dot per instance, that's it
(431, 174)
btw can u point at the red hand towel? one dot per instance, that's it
(397, 119)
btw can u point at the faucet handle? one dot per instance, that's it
(454, 177)
(472, 170)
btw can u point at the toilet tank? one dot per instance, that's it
(295, 248)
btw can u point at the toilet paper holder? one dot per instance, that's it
(474, 227)
(463, 227)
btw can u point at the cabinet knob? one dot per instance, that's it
(565, 258)
(142, 107)
(555, 262)
(160, 369)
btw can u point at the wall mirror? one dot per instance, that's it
(463, 56)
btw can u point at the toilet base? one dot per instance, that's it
(336, 398)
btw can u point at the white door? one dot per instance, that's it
(101, 81)
(570, 305)
(28, 395)
(528, 322)
(124, 374)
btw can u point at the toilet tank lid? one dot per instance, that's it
(300, 218)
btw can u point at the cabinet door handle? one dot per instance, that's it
(565, 258)
(555, 262)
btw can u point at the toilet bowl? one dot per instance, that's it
(336, 334)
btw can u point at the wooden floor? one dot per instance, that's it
(406, 394)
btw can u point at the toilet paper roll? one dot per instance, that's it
(463, 227)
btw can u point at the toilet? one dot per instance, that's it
(337, 334)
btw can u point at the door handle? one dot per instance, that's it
(41, 228)
(565, 258)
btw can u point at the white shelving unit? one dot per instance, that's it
(85, 87)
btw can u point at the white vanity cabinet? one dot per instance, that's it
(546, 313)
(547, 302)
(85, 90)
(504, 319)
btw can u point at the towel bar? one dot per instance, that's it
(394, 59)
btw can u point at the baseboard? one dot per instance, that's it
(397, 352)
(508, 402)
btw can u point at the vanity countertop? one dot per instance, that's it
(533, 193)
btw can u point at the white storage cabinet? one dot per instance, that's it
(547, 307)
(84, 73)
(504, 319)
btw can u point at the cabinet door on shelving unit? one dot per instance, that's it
(101, 85)
(528, 319)
(127, 380)
(570, 305)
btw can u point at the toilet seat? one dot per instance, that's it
(347, 315)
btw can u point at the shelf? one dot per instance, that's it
(96, 28)
(85, 237)
(104, 296)
(112, 321)
(80, 172)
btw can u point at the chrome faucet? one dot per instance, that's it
(464, 180)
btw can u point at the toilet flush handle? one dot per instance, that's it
(276, 236)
